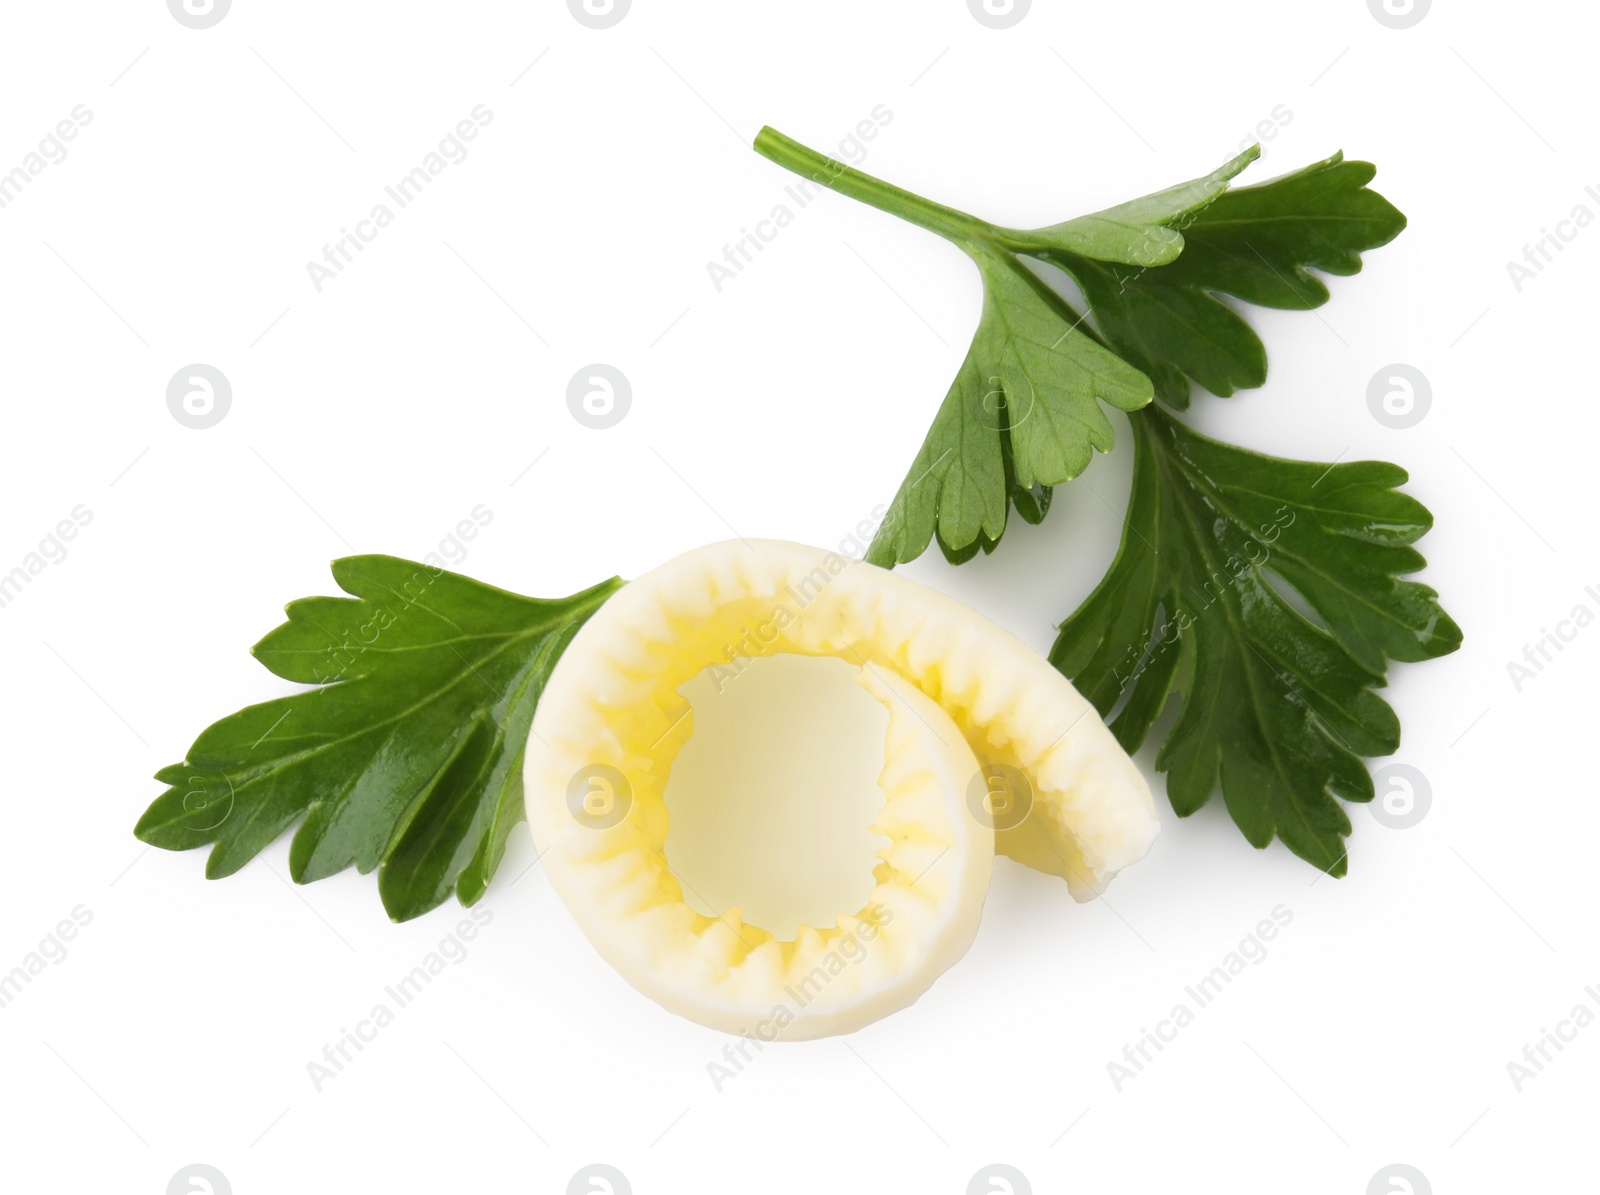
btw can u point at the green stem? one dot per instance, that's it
(949, 223)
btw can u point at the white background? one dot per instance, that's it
(425, 379)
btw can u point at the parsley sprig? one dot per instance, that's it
(1266, 596)
(1277, 704)
(1022, 414)
(407, 756)
(1254, 243)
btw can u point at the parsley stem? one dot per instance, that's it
(954, 225)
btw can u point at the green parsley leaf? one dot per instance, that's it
(1277, 704)
(1142, 232)
(1254, 243)
(1022, 414)
(407, 757)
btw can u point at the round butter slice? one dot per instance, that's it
(986, 747)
